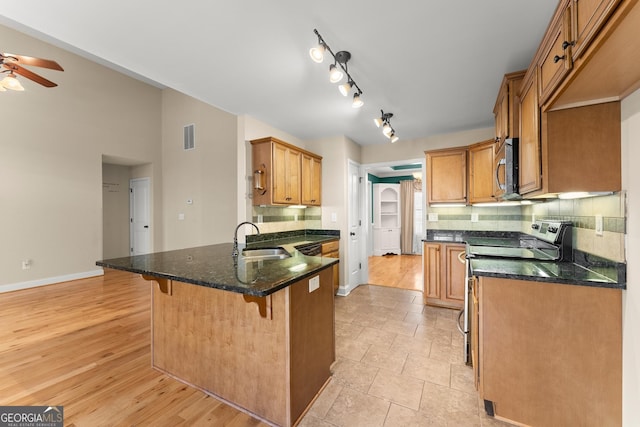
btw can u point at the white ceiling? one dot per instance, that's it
(436, 65)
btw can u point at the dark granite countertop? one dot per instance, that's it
(213, 266)
(585, 270)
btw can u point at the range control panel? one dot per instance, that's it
(551, 231)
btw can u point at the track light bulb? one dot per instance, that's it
(357, 102)
(386, 129)
(394, 137)
(10, 82)
(378, 121)
(335, 75)
(345, 88)
(317, 53)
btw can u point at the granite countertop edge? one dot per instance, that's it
(213, 265)
(581, 259)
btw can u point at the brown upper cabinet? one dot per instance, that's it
(530, 174)
(311, 180)
(587, 18)
(555, 59)
(283, 174)
(481, 176)
(447, 175)
(595, 43)
(506, 109)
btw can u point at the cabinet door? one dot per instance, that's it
(431, 267)
(447, 176)
(501, 112)
(286, 175)
(529, 157)
(455, 273)
(556, 60)
(311, 178)
(481, 175)
(588, 17)
(294, 177)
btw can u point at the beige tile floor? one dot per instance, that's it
(398, 363)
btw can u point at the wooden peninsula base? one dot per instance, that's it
(269, 356)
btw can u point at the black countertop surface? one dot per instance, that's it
(213, 266)
(585, 270)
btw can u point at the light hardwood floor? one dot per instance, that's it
(86, 345)
(396, 271)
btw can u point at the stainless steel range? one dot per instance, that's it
(549, 240)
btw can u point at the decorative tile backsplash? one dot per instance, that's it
(271, 219)
(582, 212)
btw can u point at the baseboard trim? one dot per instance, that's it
(50, 280)
(346, 290)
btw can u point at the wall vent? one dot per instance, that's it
(189, 137)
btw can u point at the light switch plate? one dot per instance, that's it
(314, 283)
(599, 225)
(474, 217)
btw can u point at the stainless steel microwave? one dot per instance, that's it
(507, 170)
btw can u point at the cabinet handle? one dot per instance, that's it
(502, 162)
(558, 58)
(566, 44)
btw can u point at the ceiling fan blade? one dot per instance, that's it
(29, 74)
(30, 60)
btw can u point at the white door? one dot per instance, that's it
(355, 226)
(139, 208)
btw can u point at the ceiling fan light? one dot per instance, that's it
(335, 75)
(357, 102)
(2, 89)
(378, 121)
(317, 53)
(10, 82)
(345, 88)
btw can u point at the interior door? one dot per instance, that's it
(355, 226)
(140, 216)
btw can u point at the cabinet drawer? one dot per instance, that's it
(330, 247)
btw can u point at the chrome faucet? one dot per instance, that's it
(234, 253)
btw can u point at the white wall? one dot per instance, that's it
(414, 149)
(51, 149)
(631, 299)
(205, 175)
(335, 154)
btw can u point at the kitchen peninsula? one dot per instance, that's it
(256, 333)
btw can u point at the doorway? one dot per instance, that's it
(139, 208)
(119, 176)
(397, 268)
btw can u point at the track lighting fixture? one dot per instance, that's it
(338, 69)
(385, 121)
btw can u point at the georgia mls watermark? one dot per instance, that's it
(31, 416)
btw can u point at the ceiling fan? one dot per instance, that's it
(14, 64)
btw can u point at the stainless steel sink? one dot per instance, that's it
(265, 254)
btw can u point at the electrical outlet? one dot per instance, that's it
(432, 217)
(599, 225)
(26, 264)
(314, 283)
(474, 217)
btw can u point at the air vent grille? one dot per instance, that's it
(189, 137)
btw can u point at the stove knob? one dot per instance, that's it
(535, 226)
(553, 229)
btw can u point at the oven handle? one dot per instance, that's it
(458, 322)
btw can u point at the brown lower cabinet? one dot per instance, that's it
(332, 250)
(270, 356)
(444, 274)
(549, 354)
